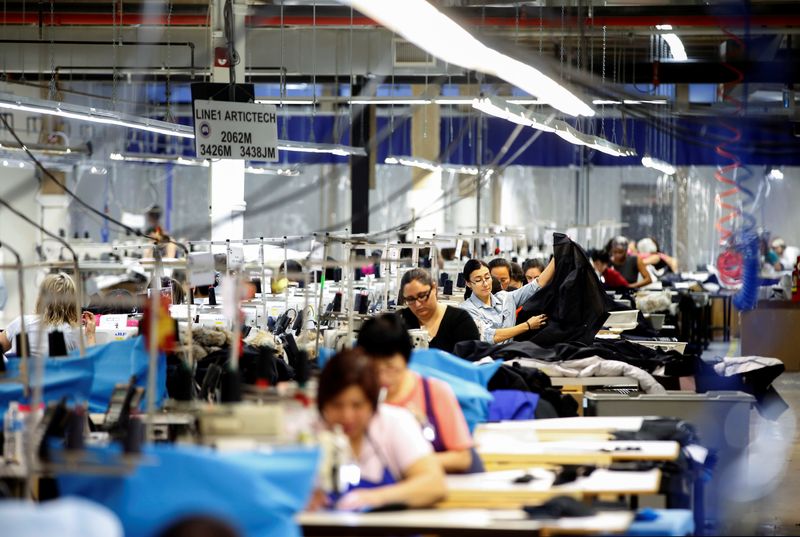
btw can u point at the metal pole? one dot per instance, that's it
(263, 283)
(152, 366)
(286, 275)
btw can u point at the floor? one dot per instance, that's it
(773, 479)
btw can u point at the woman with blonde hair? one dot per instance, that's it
(56, 310)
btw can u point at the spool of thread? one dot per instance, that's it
(448, 288)
(337, 302)
(212, 297)
(357, 302)
(19, 345)
(461, 283)
(364, 304)
(56, 343)
(443, 277)
(134, 438)
(73, 435)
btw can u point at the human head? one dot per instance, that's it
(779, 245)
(517, 276)
(532, 268)
(293, 271)
(619, 249)
(153, 215)
(57, 300)
(479, 279)
(501, 269)
(385, 340)
(348, 392)
(647, 246)
(600, 260)
(417, 283)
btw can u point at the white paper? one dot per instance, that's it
(394, 255)
(229, 301)
(136, 221)
(236, 258)
(113, 322)
(459, 246)
(201, 268)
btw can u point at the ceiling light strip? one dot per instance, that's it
(422, 24)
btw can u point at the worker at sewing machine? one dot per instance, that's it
(385, 339)
(395, 464)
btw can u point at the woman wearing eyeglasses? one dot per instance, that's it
(496, 314)
(445, 324)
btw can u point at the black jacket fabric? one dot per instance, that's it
(631, 353)
(575, 302)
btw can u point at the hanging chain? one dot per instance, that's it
(314, 68)
(603, 85)
(541, 26)
(563, 32)
(115, 53)
(168, 89)
(282, 89)
(51, 93)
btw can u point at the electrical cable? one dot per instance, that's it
(74, 196)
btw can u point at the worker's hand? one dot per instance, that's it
(318, 501)
(537, 322)
(359, 500)
(88, 321)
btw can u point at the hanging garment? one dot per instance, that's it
(574, 301)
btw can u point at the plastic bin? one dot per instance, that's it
(722, 421)
(625, 320)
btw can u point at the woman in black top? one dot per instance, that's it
(630, 266)
(445, 324)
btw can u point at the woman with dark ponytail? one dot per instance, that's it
(495, 315)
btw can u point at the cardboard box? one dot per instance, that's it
(771, 330)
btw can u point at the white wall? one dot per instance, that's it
(18, 187)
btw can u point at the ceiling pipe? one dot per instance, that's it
(105, 44)
(344, 21)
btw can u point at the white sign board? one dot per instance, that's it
(113, 322)
(229, 130)
(201, 268)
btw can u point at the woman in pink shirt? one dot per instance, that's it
(386, 340)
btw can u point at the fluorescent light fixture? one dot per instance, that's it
(98, 170)
(424, 164)
(659, 165)
(775, 174)
(628, 101)
(43, 149)
(284, 172)
(525, 102)
(453, 100)
(106, 117)
(605, 102)
(512, 112)
(286, 101)
(423, 25)
(674, 42)
(148, 158)
(333, 149)
(610, 148)
(414, 162)
(384, 100)
(5, 163)
(570, 134)
(93, 115)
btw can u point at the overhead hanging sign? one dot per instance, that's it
(232, 130)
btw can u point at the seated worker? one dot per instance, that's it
(156, 231)
(610, 277)
(56, 309)
(495, 315)
(532, 268)
(787, 254)
(501, 269)
(386, 341)
(446, 325)
(630, 266)
(517, 277)
(651, 255)
(396, 463)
